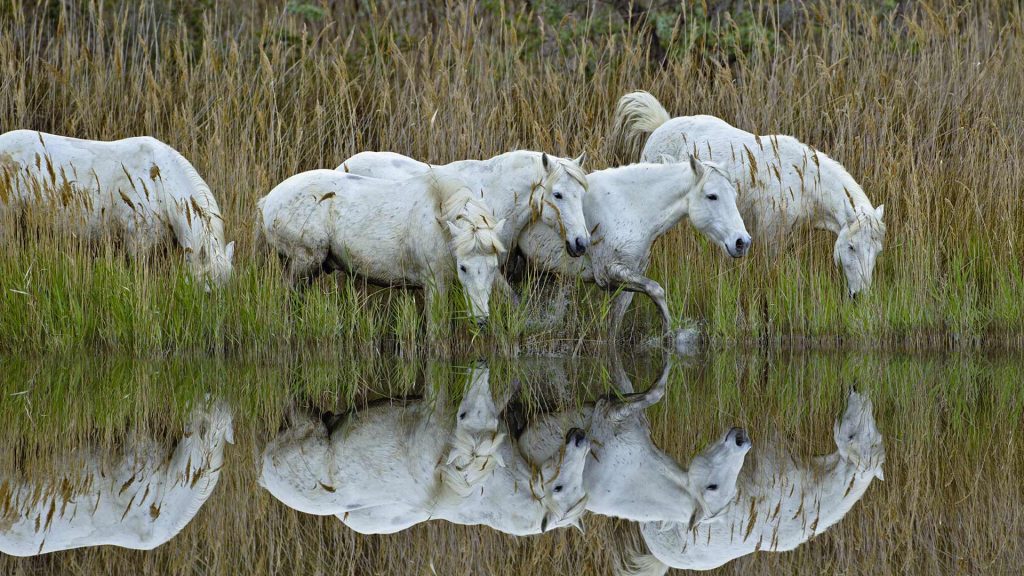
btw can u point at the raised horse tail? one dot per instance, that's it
(636, 115)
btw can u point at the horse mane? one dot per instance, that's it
(470, 214)
(205, 205)
(470, 461)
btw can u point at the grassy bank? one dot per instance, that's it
(922, 105)
(951, 501)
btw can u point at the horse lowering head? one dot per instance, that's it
(212, 262)
(712, 208)
(560, 483)
(857, 247)
(713, 473)
(474, 239)
(559, 199)
(474, 447)
(858, 438)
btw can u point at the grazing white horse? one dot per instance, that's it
(780, 503)
(139, 499)
(631, 478)
(519, 186)
(406, 462)
(419, 232)
(783, 183)
(627, 209)
(138, 190)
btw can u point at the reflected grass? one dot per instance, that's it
(950, 501)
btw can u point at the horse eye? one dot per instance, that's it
(558, 488)
(462, 416)
(713, 487)
(852, 249)
(712, 197)
(462, 267)
(852, 436)
(558, 195)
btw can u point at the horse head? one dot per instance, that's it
(559, 483)
(558, 198)
(712, 209)
(858, 438)
(857, 247)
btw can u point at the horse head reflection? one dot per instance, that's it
(780, 501)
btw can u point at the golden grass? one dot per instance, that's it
(921, 105)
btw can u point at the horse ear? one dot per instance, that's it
(579, 160)
(697, 167)
(578, 524)
(499, 226)
(231, 251)
(880, 474)
(544, 160)
(544, 524)
(452, 228)
(880, 211)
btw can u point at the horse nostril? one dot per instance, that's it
(481, 322)
(740, 244)
(740, 436)
(576, 436)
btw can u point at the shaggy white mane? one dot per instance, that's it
(472, 217)
(470, 460)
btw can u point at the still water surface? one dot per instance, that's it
(738, 462)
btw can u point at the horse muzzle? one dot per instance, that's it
(577, 247)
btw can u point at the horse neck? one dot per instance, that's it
(840, 485)
(190, 228)
(651, 486)
(835, 196)
(667, 188)
(508, 182)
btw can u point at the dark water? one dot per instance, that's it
(299, 464)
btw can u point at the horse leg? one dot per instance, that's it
(619, 306)
(636, 282)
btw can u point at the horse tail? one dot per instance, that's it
(636, 115)
(642, 565)
(631, 556)
(260, 244)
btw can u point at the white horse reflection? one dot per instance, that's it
(780, 504)
(393, 466)
(138, 500)
(629, 477)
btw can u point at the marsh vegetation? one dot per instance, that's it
(921, 103)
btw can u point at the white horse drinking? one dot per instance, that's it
(138, 190)
(519, 186)
(627, 209)
(419, 232)
(780, 503)
(631, 478)
(783, 183)
(393, 466)
(139, 499)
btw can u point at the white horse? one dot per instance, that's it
(519, 186)
(781, 502)
(419, 232)
(407, 462)
(627, 209)
(138, 190)
(783, 183)
(139, 499)
(631, 478)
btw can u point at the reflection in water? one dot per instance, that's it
(960, 420)
(631, 478)
(139, 499)
(394, 465)
(780, 502)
